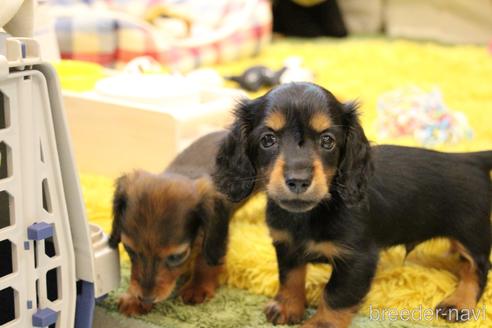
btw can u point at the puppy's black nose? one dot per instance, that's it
(298, 186)
(147, 300)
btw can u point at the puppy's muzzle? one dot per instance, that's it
(298, 176)
(147, 300)
(298, 184)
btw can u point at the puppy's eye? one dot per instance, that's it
(268, 140)
(327, 141)
(176, 259)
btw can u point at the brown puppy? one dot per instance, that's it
(162, 219)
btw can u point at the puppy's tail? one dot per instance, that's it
(485, 159)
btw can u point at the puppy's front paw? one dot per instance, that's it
(280, 313)
(194, 293)
(130, 306)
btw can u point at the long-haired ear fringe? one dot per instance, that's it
(234, 173)
(356, 165)
(120, 200)
(215, 214)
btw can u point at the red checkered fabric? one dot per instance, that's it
(111, 38)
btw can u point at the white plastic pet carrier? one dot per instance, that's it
(53, 263)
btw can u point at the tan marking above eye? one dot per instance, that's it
(182, 249)
(175, 249)
(319, 122)
(275, 121)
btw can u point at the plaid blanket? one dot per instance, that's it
(110, 35)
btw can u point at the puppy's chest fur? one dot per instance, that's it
(320, 235)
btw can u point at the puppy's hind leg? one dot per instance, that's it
(474, 267)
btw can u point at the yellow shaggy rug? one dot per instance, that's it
(362, 69)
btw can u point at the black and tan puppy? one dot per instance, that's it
(331, 197)
(162, 219)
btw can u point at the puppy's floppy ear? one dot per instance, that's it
(356, 165)
(214, 212)
(234, 173)
(120, 200)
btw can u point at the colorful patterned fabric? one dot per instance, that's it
(111, 37)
